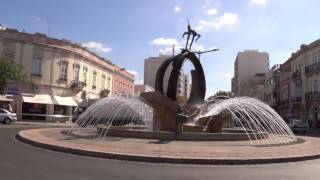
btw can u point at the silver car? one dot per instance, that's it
(298, 125)
(7, 117)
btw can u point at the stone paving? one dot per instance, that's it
(218, 150)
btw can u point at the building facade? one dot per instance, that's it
(59, 74)
(249, 69)
(151, 66)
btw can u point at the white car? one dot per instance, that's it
(298, 125)
(7, 117)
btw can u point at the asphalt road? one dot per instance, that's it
(22, 161)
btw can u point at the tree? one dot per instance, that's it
(220, 93)
(9, 71)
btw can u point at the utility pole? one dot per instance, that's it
(49, 25)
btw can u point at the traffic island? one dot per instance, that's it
(179, 152)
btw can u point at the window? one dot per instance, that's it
(64, 71)
(76, 69)
(94, 79)
(36, 66)
(109, 83)
(315, 86)
(314, 58)
(103, 82)
(85, 73)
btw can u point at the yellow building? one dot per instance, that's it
(60, 74)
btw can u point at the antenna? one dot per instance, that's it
(49, 25)
(173, 49)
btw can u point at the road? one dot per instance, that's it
(23, 161)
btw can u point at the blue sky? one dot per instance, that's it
(128, 31)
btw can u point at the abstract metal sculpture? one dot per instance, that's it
(198, 89)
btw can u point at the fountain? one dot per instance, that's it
(158, 115)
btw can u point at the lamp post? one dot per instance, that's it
(202, 52)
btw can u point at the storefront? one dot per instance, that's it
(63, 108)
(36, 107)
(5, 103)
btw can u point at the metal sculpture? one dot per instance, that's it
(192, 33)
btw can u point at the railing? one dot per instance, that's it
(312, 69)
(296, 74)
(313, 96)
(78, 85)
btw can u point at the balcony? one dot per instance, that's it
(296, 75)
(77, 85)
(312, 69)
(313, 96)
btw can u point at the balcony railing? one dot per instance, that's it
(77, 85)
(312, 69)
(313, 96)
(296, 74)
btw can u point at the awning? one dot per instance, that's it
(5, 98)
(64, 101)
(38, 98)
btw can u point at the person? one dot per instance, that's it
(10, 108)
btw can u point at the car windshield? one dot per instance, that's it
(4, 111)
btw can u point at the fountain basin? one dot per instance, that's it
(138, 132)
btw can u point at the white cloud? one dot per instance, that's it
(226, 20)
(133, 72)
(212, 11)
(164, 41)
(97, 46)
(258, 2)
(137, 78)
(206, 4)
(166, 45)
(177, 8)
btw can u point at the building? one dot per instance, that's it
(305, 77)
(253, 86)
(140, 88)
(249, 69)
(123, 82)
(151, 66)
(60, 74)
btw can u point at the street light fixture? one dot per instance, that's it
(202, 52)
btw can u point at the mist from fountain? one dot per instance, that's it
(252, 115)
(116, 111)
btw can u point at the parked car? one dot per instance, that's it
(298, 125)
(7, 117)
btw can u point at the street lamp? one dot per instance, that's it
(202, 52)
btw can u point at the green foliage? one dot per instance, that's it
(221, 93)
(9, 71)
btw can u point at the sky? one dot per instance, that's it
(129, 31)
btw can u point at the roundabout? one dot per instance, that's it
(87, 143)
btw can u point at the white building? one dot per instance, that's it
(246, 67)
(151, 66)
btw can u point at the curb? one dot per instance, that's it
(158, 159)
